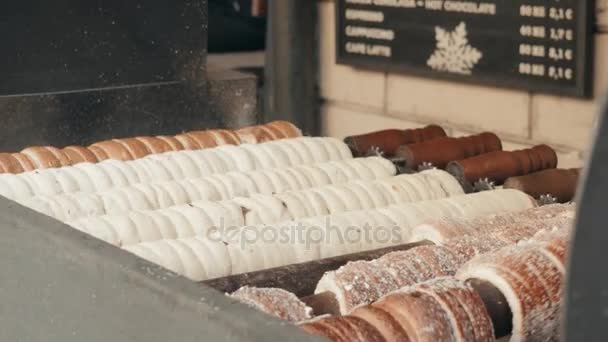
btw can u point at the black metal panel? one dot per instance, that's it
(291, 64)
(586, 309)
(226, 99)
(62, 285)
(66, 45)
(542, 46)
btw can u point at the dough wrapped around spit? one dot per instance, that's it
(530, 277)
(253, 248)
(87, 177)
(439, 230)
(363, 282)
(271, 131)
(441, 309)
(275, 302)
(259, 209)
(343, 329)
(44, 157)
(10, 164)
(216, 187)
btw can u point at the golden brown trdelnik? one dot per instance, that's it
(180, 165)
(530, 277)
(363, 282)
(441, 151)
(388, 141)
(275, 302)
(534, 219)
(442, 309)
(44, 157)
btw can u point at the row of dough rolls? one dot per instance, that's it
(90, 178)
(252, 248)
(199, 218)
(528, 274)
(437, 310)
(363, 282)
(217, 187)
(44, 157)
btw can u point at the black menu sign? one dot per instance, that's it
(537, 45)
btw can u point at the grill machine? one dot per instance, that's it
(62, 285)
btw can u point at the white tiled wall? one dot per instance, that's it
(357, 100)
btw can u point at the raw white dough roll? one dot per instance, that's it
(159, 195)
(171, 166)
(265, 209)
(260, 247)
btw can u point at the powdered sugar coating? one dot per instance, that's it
(348, 328)
(276, 302)
(531, 283)
(535, 218)
(464, 304)
(363, 282)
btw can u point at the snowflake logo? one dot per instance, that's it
(453, 52)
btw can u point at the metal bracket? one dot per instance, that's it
(426, 166)
(546, 199)
(483, 184)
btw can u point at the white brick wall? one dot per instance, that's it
(473, 107)
(566, 121)
(602, 14)
(340, 120)
(357, 101)
(342, 83)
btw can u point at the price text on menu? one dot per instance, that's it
(536, 45)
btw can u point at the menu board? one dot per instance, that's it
(536, 45)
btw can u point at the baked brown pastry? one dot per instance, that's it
(441, 309)
(25, 162)
(530, 281)
(9, 164)
(114, 150)
(79, 154)
(225, 137)
(497, 166)
(287, 129)
(389, 140)
(441, 151)
(204, 139)
(268, 132)
(99, 153)
(363, 282)
(136, 148)
(155, 145)
(276, 302)
(42, 157)
(173, 142)
(534, 219)
(559, 183)
(188, 142)
(343, 329)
